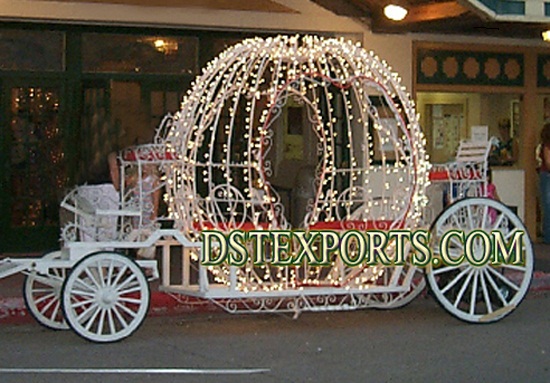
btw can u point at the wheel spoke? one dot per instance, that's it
(463, 288)
(458, 246)
(456, 224)
(56, 310)
(120, 317)
(81, 303)
(509, 233)
(126, 310)
(132, 277)
(44, 298)
(523, 269)
(503, 278)
(39, 290)
(56, 272)
(49, 304)
(111, 321)
(498, 221)
(130, 300)
(56, 280)
(101, 323)
(92, 318)
(83, 293)
(84, 284)
(453, 252)
(454, 280)
(495, 287)
(119, 275)
(110, 271)
(92, 277)
(448, 268)
(86, 312)
(488, 302)
(130, 290)
(484, 217)
(470, 218)
(100, 273)
(473, 295)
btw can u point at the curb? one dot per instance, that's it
(540, 282)
(13, 310)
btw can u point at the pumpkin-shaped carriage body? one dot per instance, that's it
(271, 115)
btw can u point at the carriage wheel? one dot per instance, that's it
(397, 300)
(478, 293)
(105, 297)
(42, 294)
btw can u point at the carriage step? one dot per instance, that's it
(10, 267)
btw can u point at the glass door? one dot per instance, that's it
(35, 175)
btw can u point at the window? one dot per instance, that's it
(117, 53)
(31, 50)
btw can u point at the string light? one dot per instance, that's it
(372, 163)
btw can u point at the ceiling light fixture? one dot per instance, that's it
(395, 12)
(159, 44)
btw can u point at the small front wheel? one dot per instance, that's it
(105, 297)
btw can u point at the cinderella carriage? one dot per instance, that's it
(283, 133)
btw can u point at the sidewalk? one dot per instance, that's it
(12, 306)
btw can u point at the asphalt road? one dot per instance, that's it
(418, 343)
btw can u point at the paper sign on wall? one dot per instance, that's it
(479, 133)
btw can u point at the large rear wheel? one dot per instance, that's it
(473, 291)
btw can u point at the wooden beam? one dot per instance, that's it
(348, 8)
(434, 11)
(233, 5)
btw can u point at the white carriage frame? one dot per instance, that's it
(88, 244)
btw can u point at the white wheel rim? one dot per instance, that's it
(479, 293)
(43, 296)
(105, 297)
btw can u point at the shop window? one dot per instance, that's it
(30, 50)
(117, 53)
(448, 118)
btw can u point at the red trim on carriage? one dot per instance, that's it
(445, 175)
(357, 225)
(439, 175)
